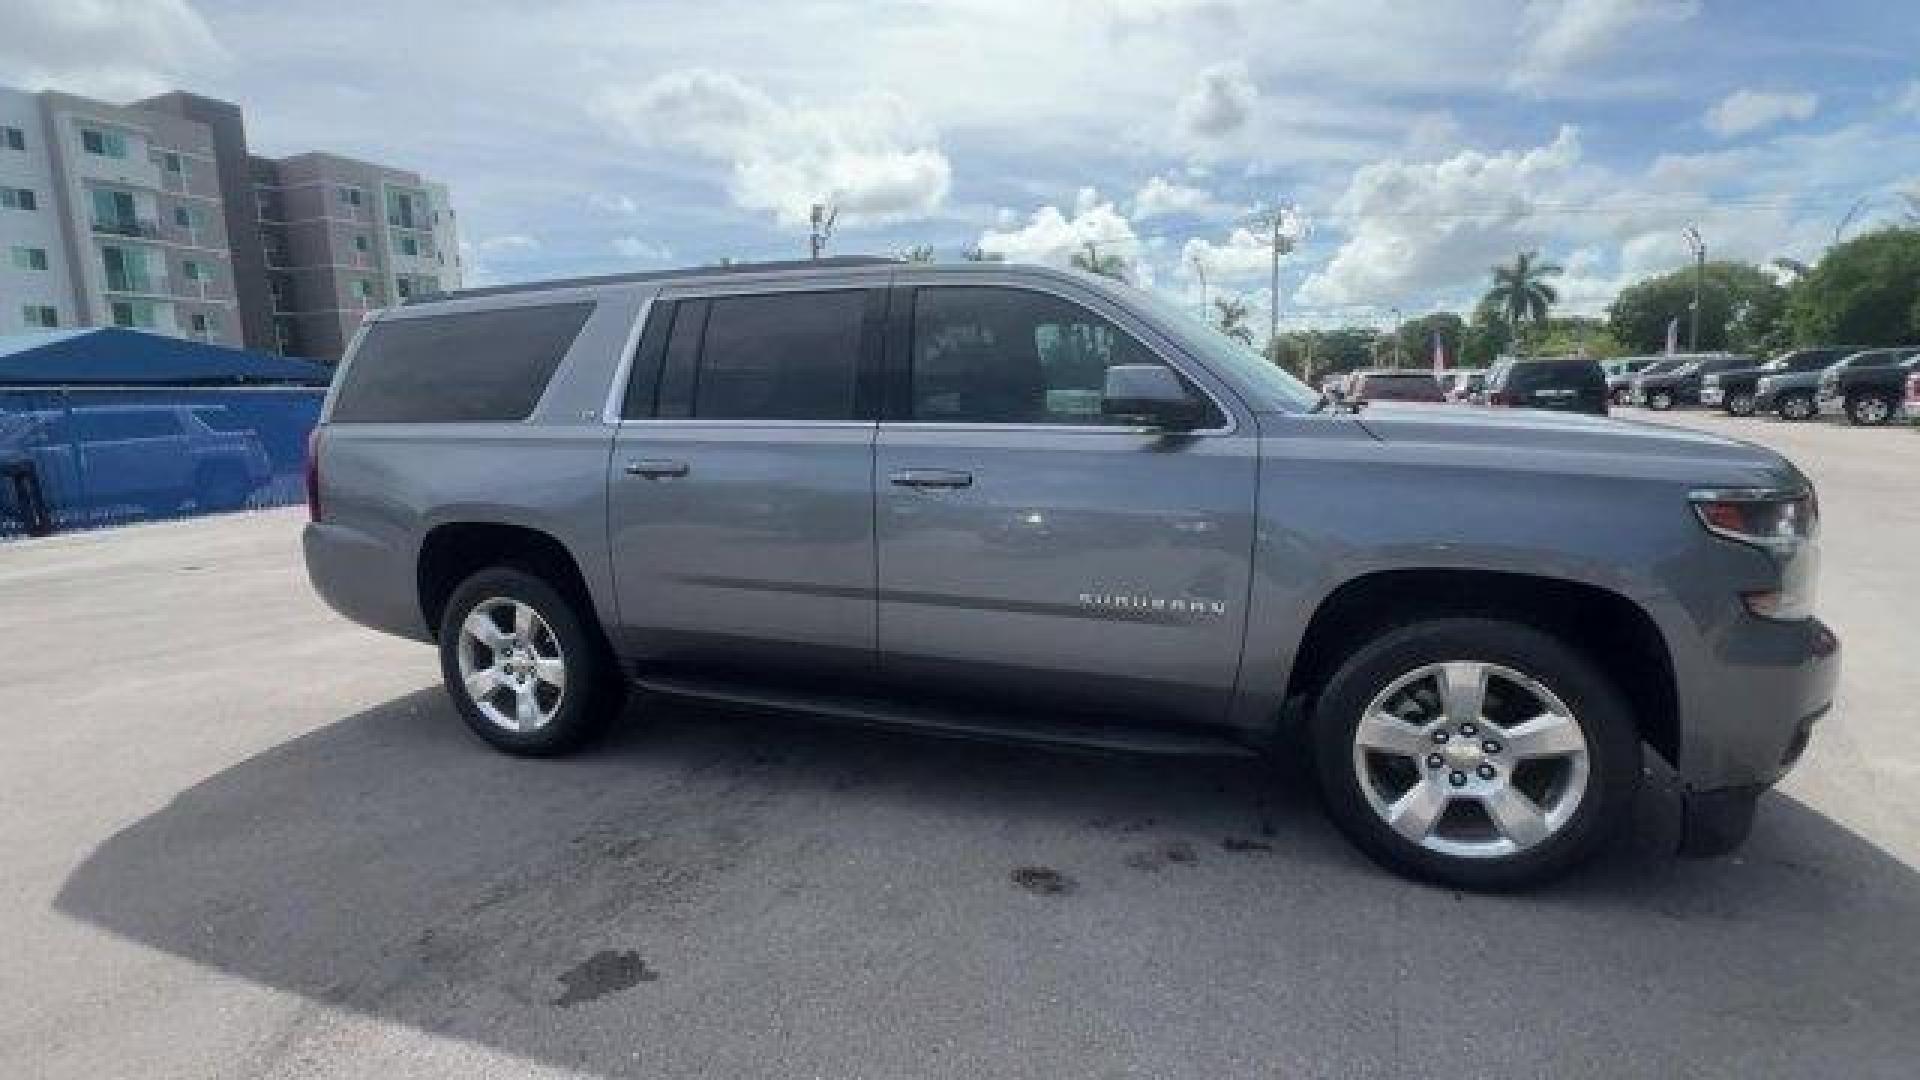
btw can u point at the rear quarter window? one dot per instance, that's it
(467, 367)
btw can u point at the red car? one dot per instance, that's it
(1392, 385)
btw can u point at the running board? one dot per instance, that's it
(873, 712)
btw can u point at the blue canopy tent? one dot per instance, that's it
(112, 356)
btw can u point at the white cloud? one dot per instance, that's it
(1417, 227)
(641, 249)
(1161, 197)
(1242, 255)
(507, 242)
(107, 48)
(1559, 36)
(1750, 110)
(1909, 99)
(1218, 104)
(1053, 237)
(870, 156)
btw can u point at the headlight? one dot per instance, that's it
(1783, 524)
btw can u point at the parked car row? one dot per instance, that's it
(1868, 387)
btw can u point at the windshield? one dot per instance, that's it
(1271, 387)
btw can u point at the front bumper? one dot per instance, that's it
(1750, 723)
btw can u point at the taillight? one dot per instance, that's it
(1913, 388)
(313, 474)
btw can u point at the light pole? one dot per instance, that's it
(1284, 229)
(1699, 248)
(1397, 319)
(821, 218)
(1200, 271)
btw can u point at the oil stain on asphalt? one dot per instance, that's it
(1043, 880)
(605, 972)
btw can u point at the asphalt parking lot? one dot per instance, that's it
(240, 837)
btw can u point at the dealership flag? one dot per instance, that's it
(1673, 335)
(1439, 354)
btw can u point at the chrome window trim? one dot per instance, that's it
(693, 422)
(623, 370)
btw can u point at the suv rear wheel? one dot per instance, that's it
(1796, 406)
(1475, 753)
(1660, 400)
(527, 676)
(1740, 403)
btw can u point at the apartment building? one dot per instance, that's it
(155, 215)
(342, 236)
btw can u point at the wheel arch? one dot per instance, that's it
(1610, 628)
(453, 551)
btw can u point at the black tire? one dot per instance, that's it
(1740, 403)
(1871, 409)
(593, 692)
(1796, 407)
(1601, 712)
(1660, 400)
(1621, 396)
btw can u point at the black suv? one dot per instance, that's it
(1868, 385)
(1561, 383)
(1737, 389)
(1680, 385)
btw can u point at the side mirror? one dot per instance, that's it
(1151, 393)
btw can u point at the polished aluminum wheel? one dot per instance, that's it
(511, 664)
(1471, 759)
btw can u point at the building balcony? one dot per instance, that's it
(135, 285)
(138, 228)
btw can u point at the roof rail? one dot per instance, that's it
(832, 262)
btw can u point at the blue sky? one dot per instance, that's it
(1420, 141)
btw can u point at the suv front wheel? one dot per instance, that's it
(527, 676)
(1475, 753)
(1740, 403)
(1660, 400)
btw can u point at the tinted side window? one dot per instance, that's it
(777, 356)
(481, 366)
(1875, 360)
(988, 355)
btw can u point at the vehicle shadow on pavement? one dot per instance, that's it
(714, 893)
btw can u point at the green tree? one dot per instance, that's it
(1579, 335)
(1521, 293)
(1106, 264)
(1416, 338)
(1862, 294)
(1230, 317)
(917, 253)
(1487, 336)
(1740, 308)
(977, 253)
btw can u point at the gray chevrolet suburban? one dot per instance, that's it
(997, 501)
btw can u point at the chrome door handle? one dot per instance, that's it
(932, 478)
(655, 468)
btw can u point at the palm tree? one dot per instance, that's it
(1230, 317)
(1521, 294)
(1093, 262)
